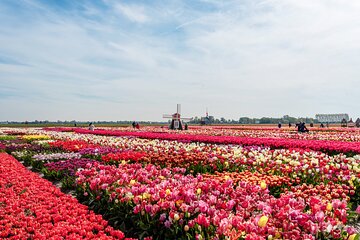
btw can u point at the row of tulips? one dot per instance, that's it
(314, 134)
(123, 156)
(32, 208)
(163, 128)
(328, 191)
(275, 127)
(35, 137)
(56, 156)
(11, 132)
(336, 134)
(64, 171)
(291, 133)
(6, 137)
(15, 146)
(254, 178)
(317, 145)
(68, 167)
(204, 208)
(2, 147)
(73, 146)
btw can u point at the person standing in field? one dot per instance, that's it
(302, 128)
(91, 126)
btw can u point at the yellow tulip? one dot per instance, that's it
(262, 221)
(352, 236)
(329, 207)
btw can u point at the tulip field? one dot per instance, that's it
(210, 182)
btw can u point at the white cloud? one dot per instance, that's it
(134, 13)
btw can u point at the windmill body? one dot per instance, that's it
(176, 119)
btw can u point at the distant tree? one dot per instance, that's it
(196, 120)
(245, 120)
(265, 120)
(211, 119)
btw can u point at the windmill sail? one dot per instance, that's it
(178, 107)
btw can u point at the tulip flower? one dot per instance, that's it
(262, 221)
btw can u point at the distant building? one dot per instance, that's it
(207, 120)
(357, 122)
(332, 118)
(351, 123)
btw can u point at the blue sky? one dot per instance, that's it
(135, 60)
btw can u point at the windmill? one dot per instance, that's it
(176, 119)
(205, 120)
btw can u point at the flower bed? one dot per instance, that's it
(309, 167)
(7, 137)
(73, 146)
(276, 184)
(56, 156)
(318, 145)
(327, 192)
(32, 208)
(98, 152)
(334, 134)
(302, 166)
(120, 156)
(181, 206)
(12, 147)
(234, 198)
(35, 137)
(2, 147)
